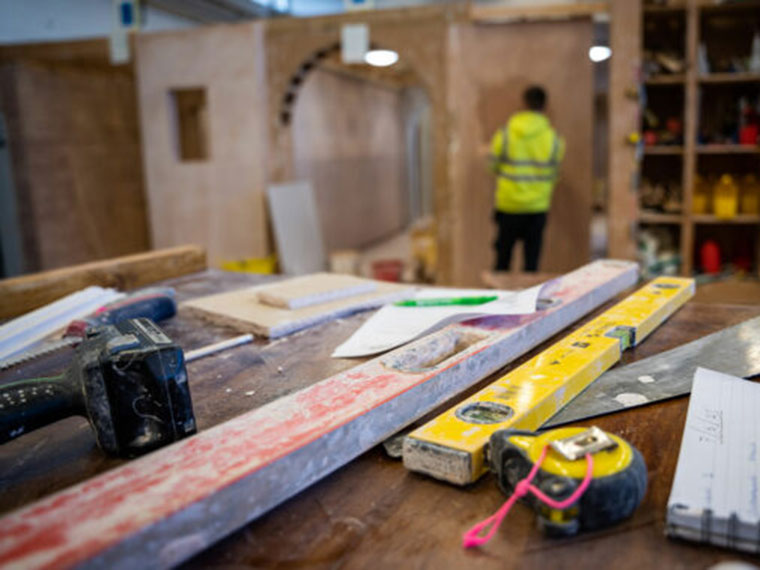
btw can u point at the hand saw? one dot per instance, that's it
(734, 350)
(155, 303)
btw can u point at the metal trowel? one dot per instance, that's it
(734, 350)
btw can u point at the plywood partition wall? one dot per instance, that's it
(348, 141)
(210, 83)
(419, 35)
(490, 67)
(241, 86)
(75, 150)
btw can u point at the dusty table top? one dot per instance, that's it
(372, 512)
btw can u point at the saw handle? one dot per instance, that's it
(28, 405)
(155, 303)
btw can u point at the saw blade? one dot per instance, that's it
(735, 351)
(47, 348)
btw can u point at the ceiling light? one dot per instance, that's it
(599, 53)
(381, 57)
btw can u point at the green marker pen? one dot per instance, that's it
(446, 301)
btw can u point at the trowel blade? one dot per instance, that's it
(734, 350)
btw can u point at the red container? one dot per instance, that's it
(709, 255)
(748, 134)
(387, 269)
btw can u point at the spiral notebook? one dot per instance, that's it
(716, 491)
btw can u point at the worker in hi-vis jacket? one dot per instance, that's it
(525, 156)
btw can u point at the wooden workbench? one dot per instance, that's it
(372, 512)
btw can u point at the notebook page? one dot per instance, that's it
(718, 468)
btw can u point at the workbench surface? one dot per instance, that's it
(372, 512)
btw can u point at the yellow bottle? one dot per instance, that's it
(700, 202)
(725, 197)
(750, 195)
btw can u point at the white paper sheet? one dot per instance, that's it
(393, 326)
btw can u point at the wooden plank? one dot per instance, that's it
(90, 52)
(668, 8)
(737, 219)
(622, 209)
(691, 127)
(665, 79)
(663, 149)
(183, 498)
(727, 149)
(28, 292)
(499, 13)
(659, 218)
(734, 77)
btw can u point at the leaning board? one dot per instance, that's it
(185, 497)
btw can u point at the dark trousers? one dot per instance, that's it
(528, 228)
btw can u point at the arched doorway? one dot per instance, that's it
(363, 137)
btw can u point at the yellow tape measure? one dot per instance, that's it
(452, 446)
(618, 480)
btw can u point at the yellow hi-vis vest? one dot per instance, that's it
(525, 155)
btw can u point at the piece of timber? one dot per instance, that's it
(452, 447)
(163, 508)
(29, 292)
(734, 350)
(500, 13)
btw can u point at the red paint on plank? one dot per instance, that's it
(131, 497)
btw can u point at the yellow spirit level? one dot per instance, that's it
(452, 446)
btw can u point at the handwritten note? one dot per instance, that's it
(715, 491)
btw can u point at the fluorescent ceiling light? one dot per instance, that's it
(599, 53)
(381, 57)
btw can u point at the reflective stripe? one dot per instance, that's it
(534, 163)
(527, 177)
(504, 158)
(537, 163)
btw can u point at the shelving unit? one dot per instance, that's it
(738, 219)
(693, 158)
(663, 149)
(663, 79)
(736, 77)
(659, 218)
(727, 149)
